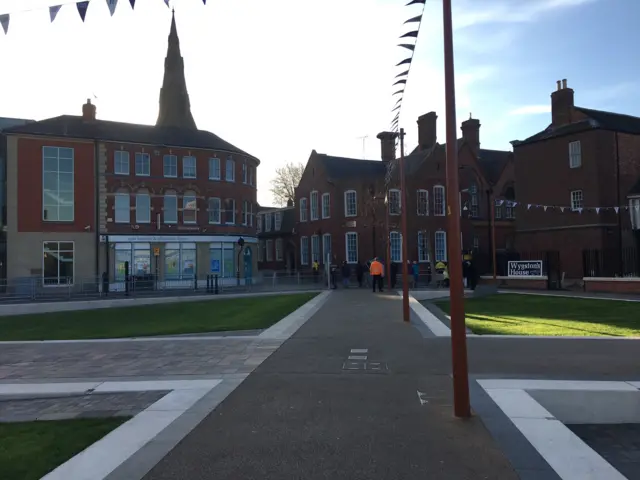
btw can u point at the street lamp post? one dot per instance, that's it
(461, 403)
(240, 246)
(493, 236)
(387, 243)
(403, 211)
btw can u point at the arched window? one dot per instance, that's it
(143, 206)
(122, 206)
(170, 207)
(189, 207)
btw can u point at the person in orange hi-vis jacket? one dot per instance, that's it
(377, 272)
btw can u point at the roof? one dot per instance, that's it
(341, 167)
(492, 162)
(615, 122)
(72, 126)
(8, 122)
(287, 224)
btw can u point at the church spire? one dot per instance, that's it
(175, 108)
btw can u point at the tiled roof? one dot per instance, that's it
(492, 162)
(343, 167)
(76, 127)
(286, 226)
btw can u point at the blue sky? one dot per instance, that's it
(279, 78)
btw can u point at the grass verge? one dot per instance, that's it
(30, 450)
(512, 314)
(148, 320)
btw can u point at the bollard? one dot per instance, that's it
(208, 283)
(215, 286)
(126, 278)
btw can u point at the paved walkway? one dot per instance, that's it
(311, 412)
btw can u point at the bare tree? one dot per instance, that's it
(285, 181)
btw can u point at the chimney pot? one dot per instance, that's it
(387, 145)
(564, 83)
(427, 124)
(471, 133)
(562, 105)
(88, 111)
(558, 85)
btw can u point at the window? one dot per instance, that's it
(314, 206)
(214, 169)
(326, 248)
(229, 211)
(634, 209)
(268, 221)
(250, 214)
(326, 205)
(269, 250)
(170, 209)
(170, 166)
(279, 257)
(476, 243)
(498, 209)
(121, 162)
(576, 200)
(261, 249)
(245, 212)
(138, 255)
(395, 240)
(315, 248)
(179, 261)
(304, 250)
(143, 207)
(278, 220)
(122, 207)
(251, 176)
(143, 164)
(57, 263)
(244, 172)
(441, 246)
(423, 202)
(189, 167)
(230, 170)
(223, 257)
(351, 244)
(510, 211)
(350, 203)
(438, 200)
(423, 247)
(303, 209)
(575, 154)
(258, 223)
(214, 210)
(394, 202)
(189, 208)
(473, 190)
(57, 184)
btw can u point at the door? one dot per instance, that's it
(248, 265)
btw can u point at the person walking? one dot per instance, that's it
(346, 273)
(377, 271)
(415, 271)
(359, 273)
(316, 270)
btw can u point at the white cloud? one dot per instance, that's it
(531, 110)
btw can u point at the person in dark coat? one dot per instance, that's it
(346, 273)
(359, 273)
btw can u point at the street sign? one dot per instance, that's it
(156, 252)
(525, 268)
(215, 266)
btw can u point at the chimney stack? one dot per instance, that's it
(387, 145)
(427, 130)
(471, 133)
(88, 111)
(562, 104)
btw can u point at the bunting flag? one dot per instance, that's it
(133, 4)
(112, 6)
(404, 62)
(167, 3)
(569, 209)
(82, 8)
(407, 46)
(4, 21)
(53, 12)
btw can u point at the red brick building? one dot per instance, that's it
(582, 168)
(85, 195)
(341, 211)
(277, 247)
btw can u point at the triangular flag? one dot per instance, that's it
(204, 1)
(597, 210)
(82, 9)
(545, 208)
(562, 209)
(53, 11)
(616, 209)
(112, 6)
(529, 206)
(133, 3)
(4, 21)
(167, 2)
(579, 210)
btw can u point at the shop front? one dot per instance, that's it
(166, 262)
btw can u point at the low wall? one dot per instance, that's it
(524, 283)
(612, 285)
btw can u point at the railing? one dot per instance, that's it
(611, 262)
(38, 289)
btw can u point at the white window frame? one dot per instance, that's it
(347, 211)
(313, 206)
(351, 259)
(211, 210)
(233, 211)
(422, 200)
(148, 210)
(510, 210)
(326, 205)
(394, 201)
(442, 211)
(214, 168)
(145, 161)
(303, 210)
(279, 253)
(269, 250)
(261, 249)
(259, 223)
(423, 247)
(575, 154)
(440, 254)
(73, 274)
(47, 153)
(575, 206)
(304, 250)
(192, 198)
(189, 167)
(245, 212)
(230, 170)
(244, 172)
(324, 247)
(268, 221)
(250, 214)
(315, 248)
(121, 158)
(497, 210)
(395, 246)
(122, 197)
(251, 175)
(277, 220)
(473, 209)
(174, 198)
(170, 163)
(634, 210)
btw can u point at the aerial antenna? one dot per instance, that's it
(364, 140)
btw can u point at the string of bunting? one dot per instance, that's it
(409, 42)
(81, 7)
(563, 208)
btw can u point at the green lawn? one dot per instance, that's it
(511, 314)
(30, 450)
(162, 319)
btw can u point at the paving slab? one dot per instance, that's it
(302, 415)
